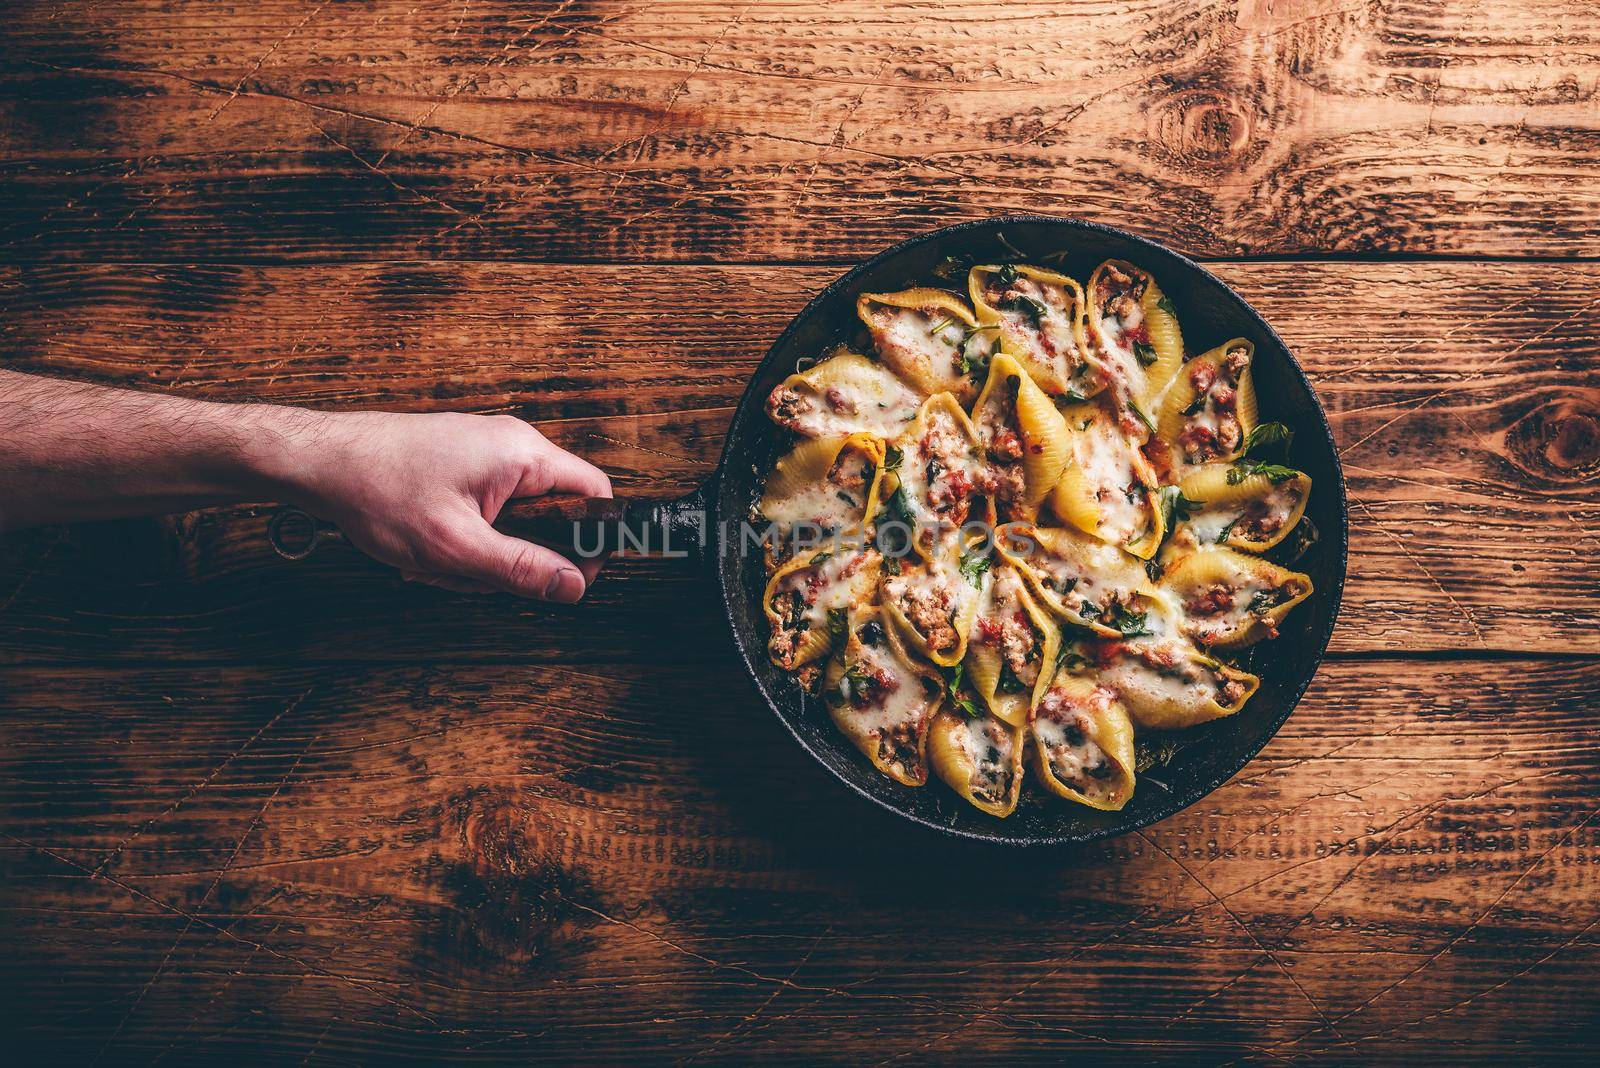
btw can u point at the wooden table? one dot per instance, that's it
(305, 812)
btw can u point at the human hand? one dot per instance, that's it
(419, 492)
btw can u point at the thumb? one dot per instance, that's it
(514, 566)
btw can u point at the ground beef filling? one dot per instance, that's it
(930, 607)
(1213, 428)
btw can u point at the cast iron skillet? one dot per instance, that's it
(1210, 312)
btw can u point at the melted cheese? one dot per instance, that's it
(1107, 459)
(901, 710)
(989, 748)
(927, 344)
(851, 394)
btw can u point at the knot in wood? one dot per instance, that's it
(1206, 127)
(1558, 441)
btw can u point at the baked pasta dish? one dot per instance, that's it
(1021, 526)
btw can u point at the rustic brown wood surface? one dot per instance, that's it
(294, 813)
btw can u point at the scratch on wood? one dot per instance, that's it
(233, 94)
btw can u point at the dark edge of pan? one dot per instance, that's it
(1209, 755)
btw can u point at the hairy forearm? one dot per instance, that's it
(418, 491)
(70, 451)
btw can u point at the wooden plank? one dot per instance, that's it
(1465, 398)
(806, 130)
(515, 862)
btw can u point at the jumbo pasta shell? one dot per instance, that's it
(980, 758)
(1010, 401)
(844, 394)
(881, 698)
(1241, 510)
(1040, 319)
(1233, 599)
(1082, 743)
(927, 337)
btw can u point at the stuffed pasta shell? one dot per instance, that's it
(1133, 329)
(937, 474)
(1039, 316)
(933, 601)
(844, 394)
(1024, 438)
(821, 488)
(1246, 506)
(1078, 579)
(1013, 642)
(1082, 743)
(1210, 407)
(882, 698)
(930, 338)
(979, 757)
(1231, 599)
(806, 598)
(1107, 487)
(1166, 683)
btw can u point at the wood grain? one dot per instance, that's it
(1465, 400)
(471, 861)
(307, 814)
(809, 130)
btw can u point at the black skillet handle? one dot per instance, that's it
(588, 526)
(593, 526)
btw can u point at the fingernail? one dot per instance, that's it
(565, 587)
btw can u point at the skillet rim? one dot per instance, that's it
(1176, 799)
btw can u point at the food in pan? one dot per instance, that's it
(1023, 528)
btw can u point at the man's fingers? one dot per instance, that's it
(518, 567)
(550, 470)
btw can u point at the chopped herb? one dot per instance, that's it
(1154, 569)
(890, 565)
(1089, 611)
(1175, 507)
(1264, 600)
(1274, 473)
(1008, 681)
(820, 558)
(944, 321)
(838, 624)
(953, 268)
(846, 498)
(1072, 396)
(1268, 435)
(1130, 623)
(1227, 530)
(1068, 658)
(1145, 419)
(856, 684)
(1007, 274)
(1195, 407)
(973, 567)
(952, 687)
(972, 364)
(892, 457)
(1145, 352)
(1032, 309)
(1166, 305)
(896, 509)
